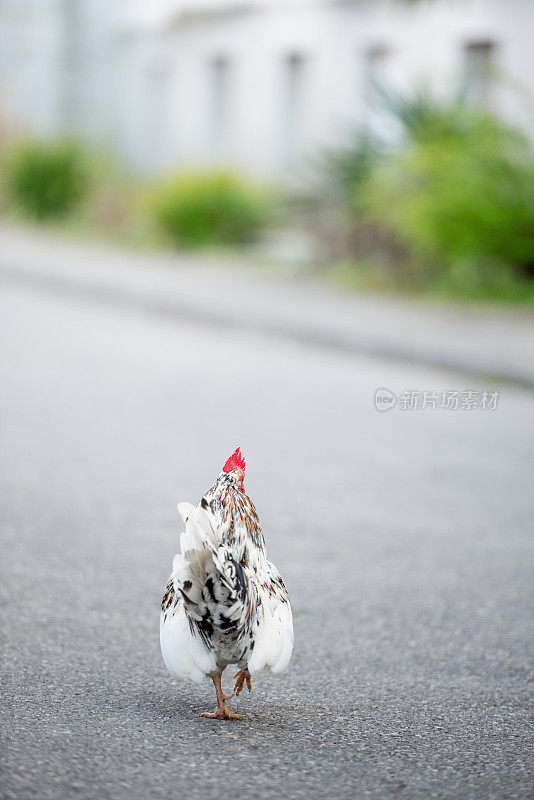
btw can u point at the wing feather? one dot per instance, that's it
(273, 640)
(185, 654)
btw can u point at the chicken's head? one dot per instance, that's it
(236, 465)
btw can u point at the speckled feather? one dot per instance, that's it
(224, 603)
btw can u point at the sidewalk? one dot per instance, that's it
(491, 343)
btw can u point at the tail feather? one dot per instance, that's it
(205, 573)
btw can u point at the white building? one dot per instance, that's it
(259, 85)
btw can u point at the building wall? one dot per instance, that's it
(57, 65)
(266, 86)
(262, 86)
(30, 64)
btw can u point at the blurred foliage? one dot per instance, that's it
(46, 179)
(454, 196)
(350, 166)
(446, 205)
(461, 189)
(208, 208)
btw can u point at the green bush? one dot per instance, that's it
(459, 190)
(47, 179)
(449, 204)
(207, 208)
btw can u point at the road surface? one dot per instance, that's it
(405, 539)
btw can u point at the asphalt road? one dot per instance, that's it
(405, 539)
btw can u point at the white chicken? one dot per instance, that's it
(224, 602)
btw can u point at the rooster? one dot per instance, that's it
(224, 602)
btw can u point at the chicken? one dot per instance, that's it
(224, 602)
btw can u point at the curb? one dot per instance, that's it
(305, 334)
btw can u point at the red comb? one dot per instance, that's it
(236, 461)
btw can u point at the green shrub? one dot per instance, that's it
(448, 205)
(46, 179)
(207, 208)
(459, 190)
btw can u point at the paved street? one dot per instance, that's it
(487, 341)
(405, 539)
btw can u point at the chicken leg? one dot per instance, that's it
(222, 711)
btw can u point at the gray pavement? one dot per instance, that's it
(405, 539)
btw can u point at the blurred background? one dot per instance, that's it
(389, 143)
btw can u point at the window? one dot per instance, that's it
(220, 104)
(376, 66)
(156, 113)
(294, 73)
(478, 70)
(377, 79)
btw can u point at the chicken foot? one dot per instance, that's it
(222, 711)
(242, 676)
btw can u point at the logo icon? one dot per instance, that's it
(384, 400)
